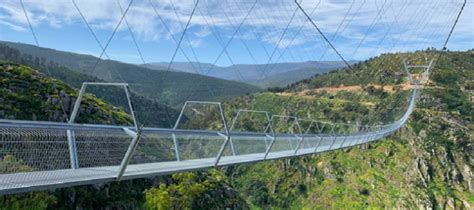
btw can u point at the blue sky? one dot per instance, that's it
(394, 26)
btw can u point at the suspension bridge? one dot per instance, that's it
(69, 154)
(48, 155)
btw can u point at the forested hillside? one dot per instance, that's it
(162, 115)
(427, 164)
(262, 75)
(176, 87)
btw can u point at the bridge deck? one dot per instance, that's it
(102, 148)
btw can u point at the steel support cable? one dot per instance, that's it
(111, 37)
(247, 47)
(338, 28)
(385, 16)
(415, 27)
(265, 28)
(239, 35)
(372, 24)
(89, 27)
(114, 68)
(296, 34)
(352, 17)
(443, 50)
(171, 35)
(215, 33)
(318, 43)
(281, 53)
(271, 22)
(383, 65)
(96, 38)
(255, 32)
(397, 19)
(388, 29)
(350, 20)
(144, 62)
(278, 44)
(303, 24)
(322, 34)
(323, 47)
(380, 42)
(426, 37)
(240, 9)
(363, 82)
(47, 69)
(131, 34)
(221, 53)
(265, 23)
(287, 10)
(446, 27)
(225, 47)
(309, 52)
(198, 71)
(182, 35)
(243, 42)
(418, 32)
(387, 26)
(29, 23)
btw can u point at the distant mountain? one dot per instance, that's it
(256, 74)
(172, 88)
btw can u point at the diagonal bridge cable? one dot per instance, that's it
(111, 37)
(324, 36)
(47, 69)
(183, 34)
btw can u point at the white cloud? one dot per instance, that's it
(266, 23)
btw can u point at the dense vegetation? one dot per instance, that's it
(427, 164)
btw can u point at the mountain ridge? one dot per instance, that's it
(174, 87)
(255, 74)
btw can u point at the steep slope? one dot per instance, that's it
(428, 164)
(253, 73)
(156, 114)
(175, 87)
(28, 94)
